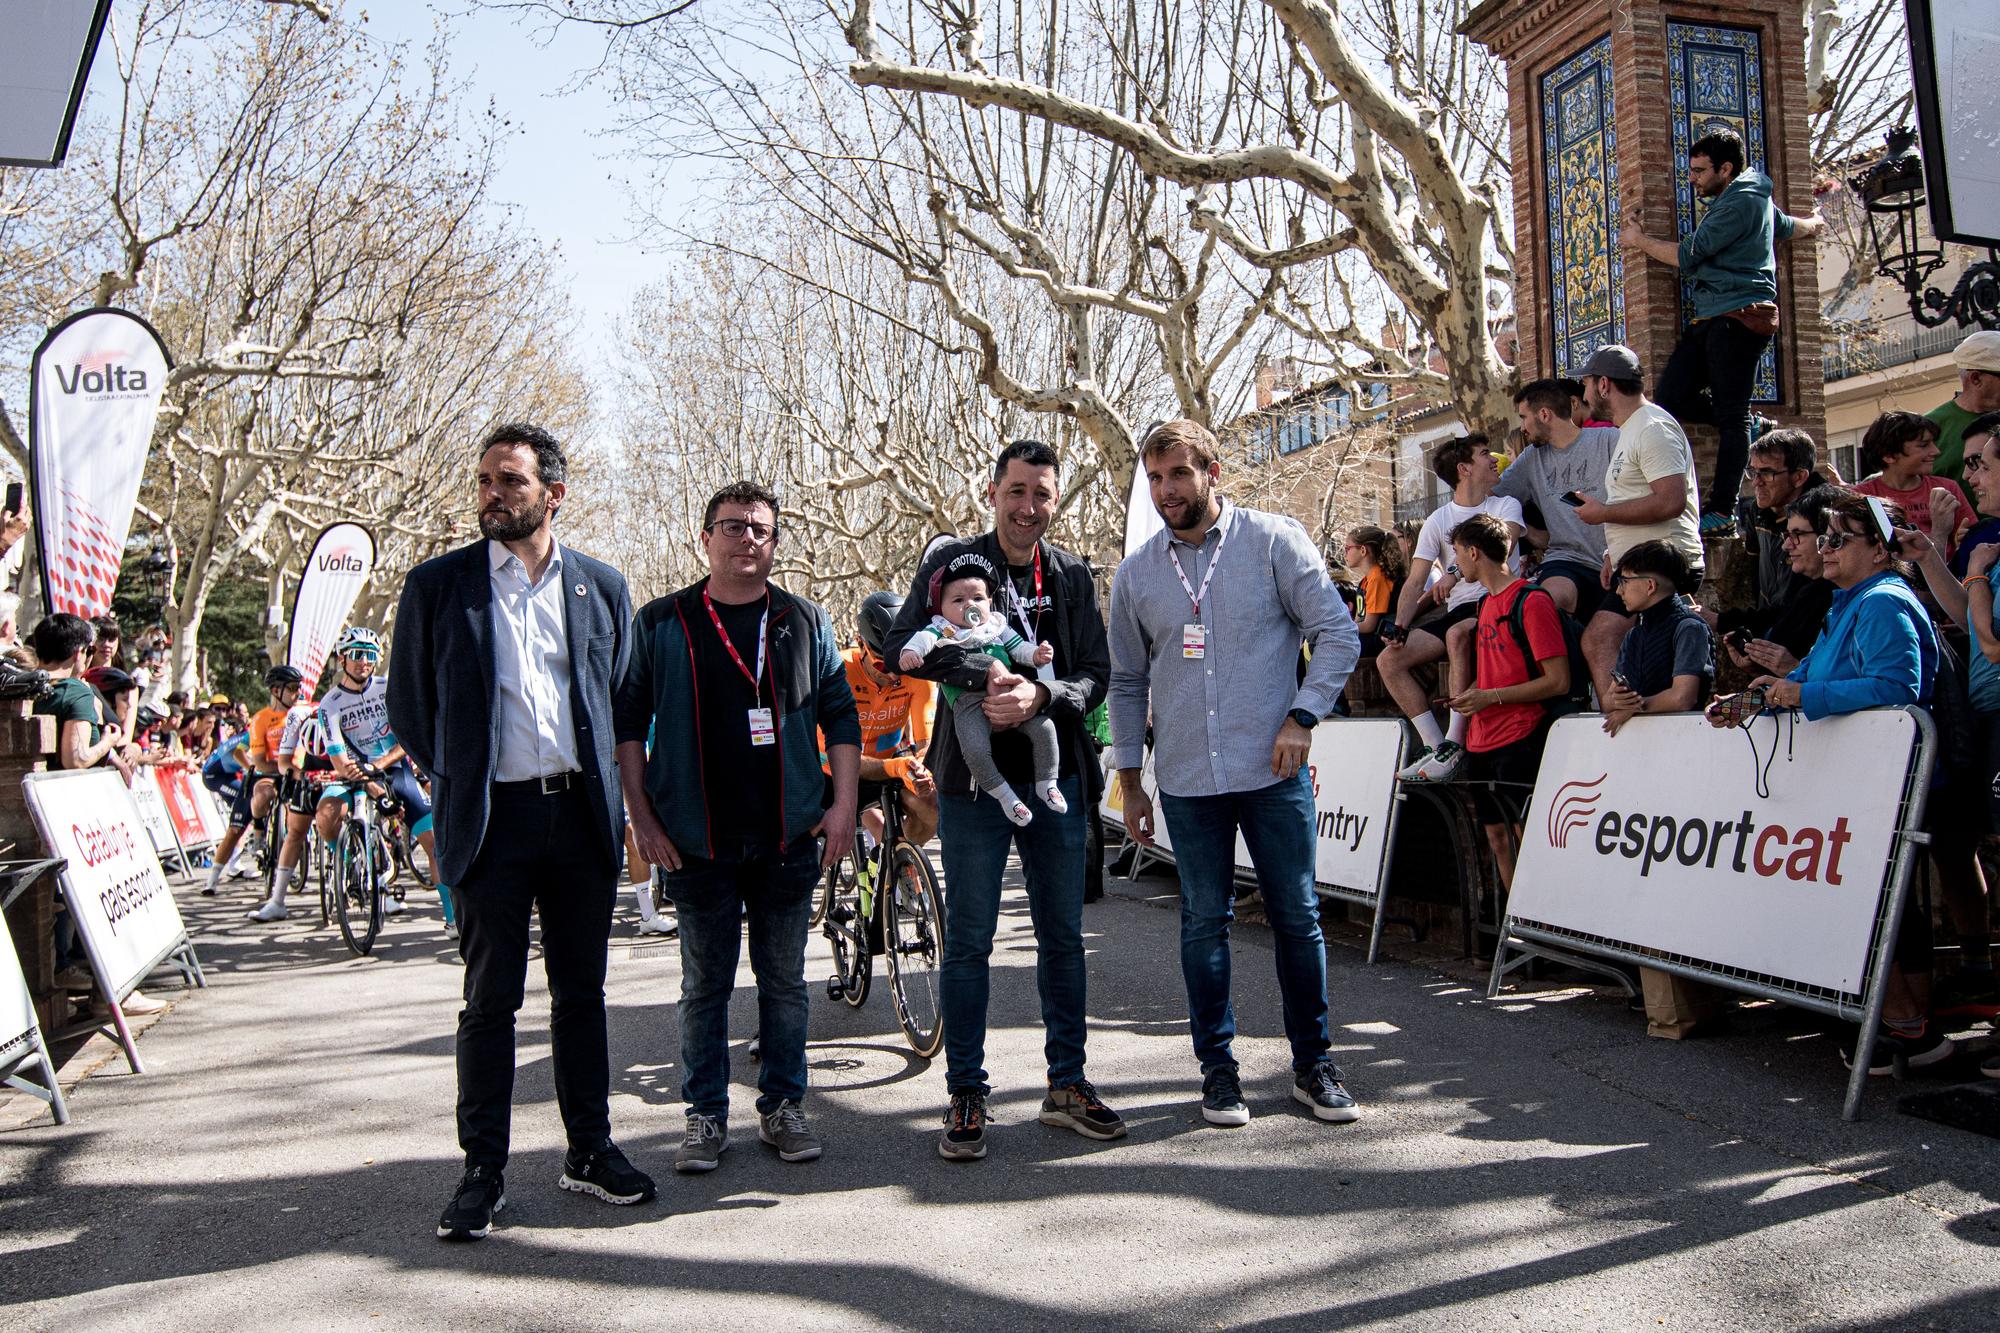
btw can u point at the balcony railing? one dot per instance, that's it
(1861, 348)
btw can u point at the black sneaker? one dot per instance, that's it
(1078, 1107)
(964, 1138)
(1320, 1088)
(606, 1174)
(1222, 1097)
(1917, 1052)
(481, 1193)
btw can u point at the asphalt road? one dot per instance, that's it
(1532, 1163)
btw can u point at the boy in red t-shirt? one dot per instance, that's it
(1509, 723)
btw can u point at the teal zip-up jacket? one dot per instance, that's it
(659, 696)
(1877, 651)
(1732, 255)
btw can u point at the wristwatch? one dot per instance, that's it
(1304, 719)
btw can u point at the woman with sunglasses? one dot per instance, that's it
(1878, 650)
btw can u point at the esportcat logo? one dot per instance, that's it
(1572, 808)
(1741, 845)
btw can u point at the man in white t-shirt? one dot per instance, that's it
(1467, 466)
(1649, 491)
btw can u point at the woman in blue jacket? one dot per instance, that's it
(1878, 650)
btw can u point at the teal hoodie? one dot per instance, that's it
(1731, 257)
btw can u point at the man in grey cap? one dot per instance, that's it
(1649, 490)
(1978, 363)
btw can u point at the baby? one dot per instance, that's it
(962, 613)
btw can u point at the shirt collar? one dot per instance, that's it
(498, 557)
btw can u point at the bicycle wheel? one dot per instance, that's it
(357, 890)
(853, 965)
(838, 877)
(913, 929)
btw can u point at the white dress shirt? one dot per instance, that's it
(537, 734)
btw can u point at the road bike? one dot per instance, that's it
(355, 865)
(905, 924)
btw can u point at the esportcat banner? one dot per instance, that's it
(335, 573)
(1659, 838)
(94, 394)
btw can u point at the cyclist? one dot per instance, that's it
(302, 766)
(259, 785)
(896, 712)
(355, 716)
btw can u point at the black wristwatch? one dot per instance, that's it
(1303, 718)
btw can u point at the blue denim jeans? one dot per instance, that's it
(710, 899)
(974, 836)
(1277, 824)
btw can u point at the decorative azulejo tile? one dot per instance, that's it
(1580, 164)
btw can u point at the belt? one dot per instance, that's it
(548, 784)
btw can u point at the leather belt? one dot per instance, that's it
(549, 784)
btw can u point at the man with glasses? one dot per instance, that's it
(728, 680)
(259, 786)
(1782, 468)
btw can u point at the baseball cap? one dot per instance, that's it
(1979, 351)
(1613, 361)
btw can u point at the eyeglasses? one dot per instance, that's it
(735, 529)
(1834, 538)
(1794, 535)
(1620, 580)
(1770, 473)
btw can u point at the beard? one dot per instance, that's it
(505, 525)
(1195, 512)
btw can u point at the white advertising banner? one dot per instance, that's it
(1659, 839)
(335, 573)
(18, 1024)
(1141, 519)
(117, 894)
(153, 816)
(94, 394)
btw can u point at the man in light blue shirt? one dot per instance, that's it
(1206, 622)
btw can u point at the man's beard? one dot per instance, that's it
(1195, 513)
(505, 526)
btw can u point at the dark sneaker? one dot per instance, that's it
(1319, 1088)
(785, 1129)
(964, 1137)
(606, 1174)
(701, 1149)
(1078, 1107)
(481, 1193)
(1917, 1052)
(1222, 1098)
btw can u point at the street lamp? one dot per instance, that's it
(1892, 192)
(157, 569)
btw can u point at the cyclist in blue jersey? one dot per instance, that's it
(259, 786)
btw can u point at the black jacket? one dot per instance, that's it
(1073, 623)
(441, 685)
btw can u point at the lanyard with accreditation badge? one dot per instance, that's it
(762, 731)
(1032, 629)
(1194, 634)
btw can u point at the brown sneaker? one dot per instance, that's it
(1078, 1107)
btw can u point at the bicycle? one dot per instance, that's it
(908, 921)
(355, 864)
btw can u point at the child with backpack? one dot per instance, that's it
(1667, 662)
(1516, 694)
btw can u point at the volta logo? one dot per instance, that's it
(101, 374)
(342, 562)
(1574, 806)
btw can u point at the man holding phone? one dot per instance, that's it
(1566, 464)
(15, 521)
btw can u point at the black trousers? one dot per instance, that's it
(541, 853)
(1720, 356)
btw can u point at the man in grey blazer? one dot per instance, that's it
(500, 688)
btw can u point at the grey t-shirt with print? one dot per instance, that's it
(1543, 474)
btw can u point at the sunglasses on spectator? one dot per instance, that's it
(735, 529)
(1834, 538)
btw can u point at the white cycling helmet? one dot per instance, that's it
(357, 638)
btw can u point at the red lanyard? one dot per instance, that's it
(755, 678)
(1196, 595)
(1035, 628)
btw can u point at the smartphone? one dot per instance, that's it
(13, 497)
(1739, 639)
(1618, 679)
(1574, 499)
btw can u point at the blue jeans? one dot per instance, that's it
(710, 898)
(973, 839)
(1277, 824)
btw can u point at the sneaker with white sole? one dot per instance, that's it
(270, 911)
(1222, 1097)
(658, 925)
(785, 1129)
(1077, 1106)
(392, 905)
(469, 1216)
(702, 1147)
(1321, 1089)
(605, 1173)
(1440, 765)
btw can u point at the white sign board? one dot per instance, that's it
(17, 1010)
(1354, 763)
(153, 816)
(1657, 839)
(117, 894)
